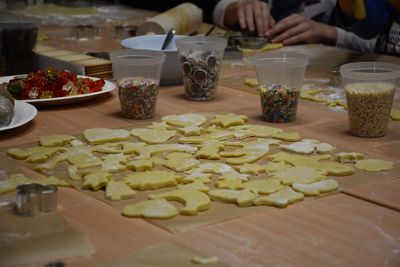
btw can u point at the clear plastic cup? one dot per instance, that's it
(138, 77)
(369, 87)
(201, 59)
(280, 77)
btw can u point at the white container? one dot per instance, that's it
(171, 71)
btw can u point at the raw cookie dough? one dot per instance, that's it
(51, 180)
(348, 157)
(315, 189)
(299, 147)
(37, 154)
(395, 114)
(194, 200)
(300, 174)
(316, 162)
(141, 165)
(179, 163)
(287, 136)
(104, 135)
(191, 130)
(148, 151)
(226, 171)
(73, 173)
(244, 131)
(197, 177)
(374, 165)
(188, 119)
(264, 186)
(149, 180)
(276, 166)
(118, 190)
(152, 209)
(310, 94)
(242, 198)
(281, 198)
(252, 168)
(267, 47)
(14, 180)
(228, 120)
(95, 180)
(205, 260)
(234, 184)
(119, 147)
(198, 185)
(210, 150)
(114, 162)
(55, 140)
(215, 135)
(153, 136)
(251, 82)
(84, 160)
(323, 148)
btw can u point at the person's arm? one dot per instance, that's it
(296, 29)
(349, 40)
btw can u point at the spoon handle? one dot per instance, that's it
(168, 38)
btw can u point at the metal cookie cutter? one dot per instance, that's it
(48, 199)
(28, 199)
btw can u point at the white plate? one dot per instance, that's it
(108, 87)
(23, 113)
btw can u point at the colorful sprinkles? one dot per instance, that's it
(138, 97)
(279, 102)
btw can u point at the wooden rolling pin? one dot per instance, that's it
(185, 18)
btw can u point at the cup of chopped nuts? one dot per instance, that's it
(280, 77)
(370, 88)
(201, 59)
(138, 77)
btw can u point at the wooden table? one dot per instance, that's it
(360, 227)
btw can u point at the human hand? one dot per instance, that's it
(296, 29)
(253, 15)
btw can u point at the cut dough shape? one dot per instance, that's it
(37, 154)
(205, 260)
(149, 151)
(193, 200)
(210, 150)
(73, 173)
(225, 170)
(315, 189)
(180, 164)
(197, 177)
(395, 114)
(251, 82)
(264, 186)
(287, 136)
(191, 130)
(308, 140)
(103, 135)
(149, 180)
(142, 164)
(118, 190)
(159, 126)
(51, 163)
(234, 184)
(119, 147)
(281, 198)
(216, 135)
(262, 131)
(276, 166)
(252, 168)
(114, 162)
(96, 180)
(315, 162)
(250, 151)
(51, 180)
(301, 175)
(310, 94)
(197, 185)
(323, 148)
(153, 136)
(228, 120)
(188, 119)
(84, 160)
(152, 209)
(299, 147)
(55, 140)
(348, 157)
(242, 198)
(374, 165)
(14, 180)
(76, 142)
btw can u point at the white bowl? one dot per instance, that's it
(171, 72)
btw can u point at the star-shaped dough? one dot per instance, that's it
(281, 198)
(228, 120)
(96, 180)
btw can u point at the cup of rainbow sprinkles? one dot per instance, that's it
(280, 77)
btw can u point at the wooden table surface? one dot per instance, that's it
(360, 227)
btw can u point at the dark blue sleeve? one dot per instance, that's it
(378, 19)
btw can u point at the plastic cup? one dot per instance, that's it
(369, 87)
(138, 77)
(17, 40)
(201, 59)
(280, 77)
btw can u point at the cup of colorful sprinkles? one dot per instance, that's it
(201, 59)
(137, 73)
(280, 77)
(370, 88)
